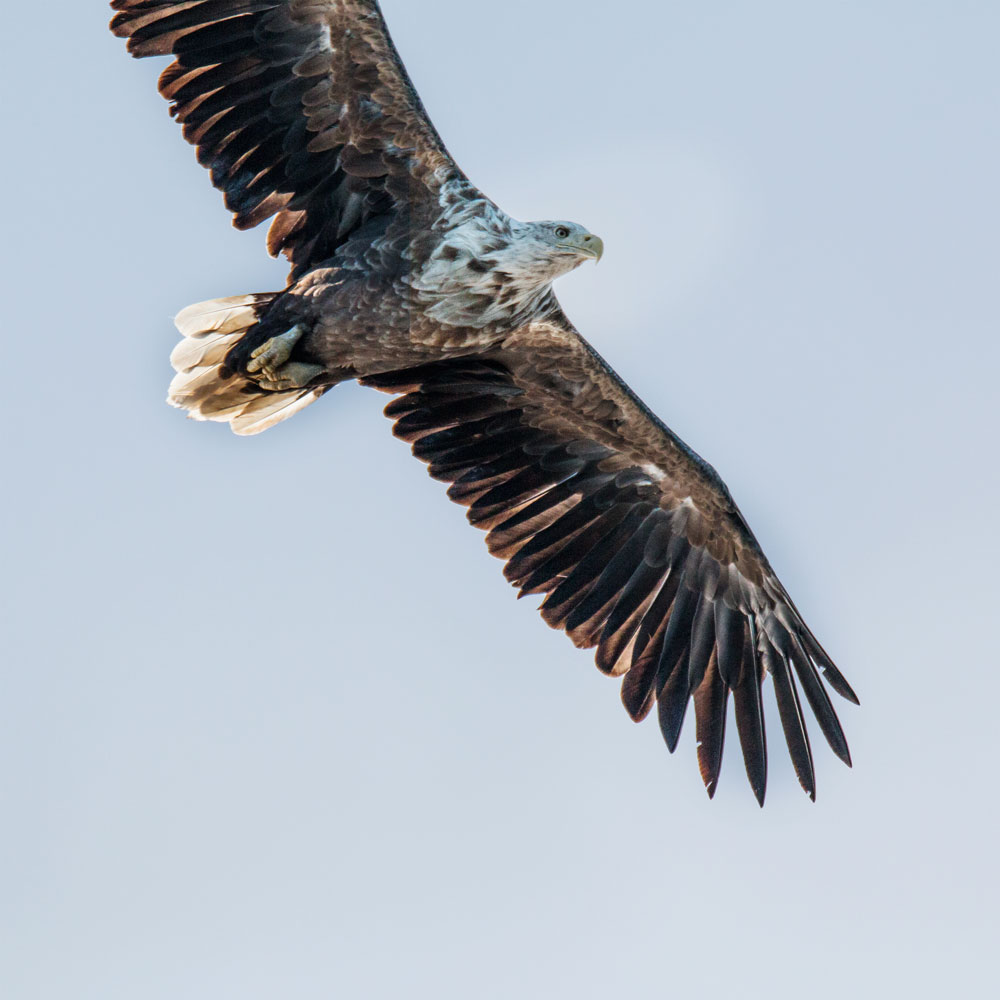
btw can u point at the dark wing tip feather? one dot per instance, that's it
(671, 704)
(792, 720)
(710, 703)
(749, 712)
(836, 680)
(832, 675)
(820, 704)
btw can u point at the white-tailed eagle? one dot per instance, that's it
(409, 279)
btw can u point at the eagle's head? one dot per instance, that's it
(494, 269)
(546, 250)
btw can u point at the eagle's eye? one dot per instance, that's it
(562, 232)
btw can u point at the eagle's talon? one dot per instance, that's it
(295, 375)
(273, 353)
(270, 368)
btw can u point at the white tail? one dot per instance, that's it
(208, 391)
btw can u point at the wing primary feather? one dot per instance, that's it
(671, 704)
(473, 408)
(538, 508)
(672, 687)
(702, 643)
(677, 637)
(482, 450)
(413, 380)
(506, 540)
(819, 701)
(568, 554)
(790, 712)
(567, 541)
(616, 573)
(729, 632)
(525, 485)
(654, 623)
(563, 599)
(749, 711)
(710, 702)
(639, 685)
(626, 616)
(833, 676)
(463, 433)
(513, 460)
(649, 572)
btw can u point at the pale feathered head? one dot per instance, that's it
(546, 250)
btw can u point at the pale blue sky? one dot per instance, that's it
(361, 768)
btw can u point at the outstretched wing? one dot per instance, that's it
(301, 109)
(634, 540)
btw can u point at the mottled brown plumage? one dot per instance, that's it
(406, 277)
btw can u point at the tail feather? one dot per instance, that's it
(230, 315)
(206, 388)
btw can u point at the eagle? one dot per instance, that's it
(405, 277)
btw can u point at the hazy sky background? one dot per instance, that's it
(273, 725)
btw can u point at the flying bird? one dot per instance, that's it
(407, 278)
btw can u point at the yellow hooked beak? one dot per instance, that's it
(587, 244)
